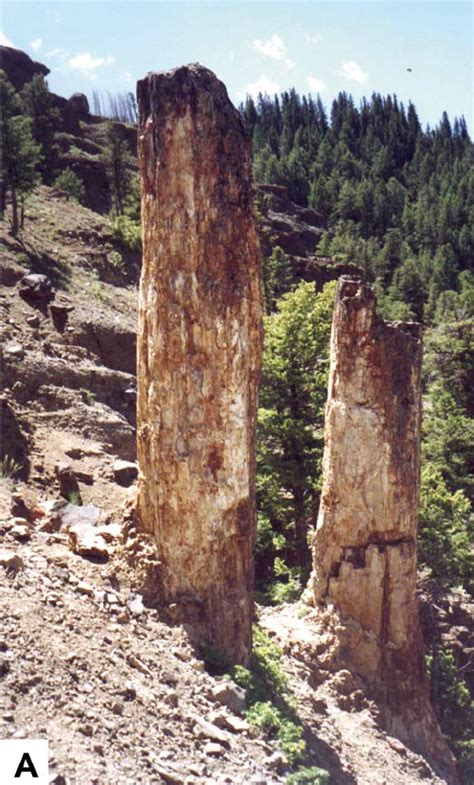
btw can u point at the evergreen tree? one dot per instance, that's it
(290, 443)
(117, 160)
(19, 153)
(72, 184)
(45, 123)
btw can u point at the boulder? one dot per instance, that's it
(85, 541)
(35, 286)
(72, 515)
(68, 485)
(229, 694)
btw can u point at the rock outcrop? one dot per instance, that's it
(297, 231)
(365, 542)
(199, 347)
(75, 110)
(19, 67)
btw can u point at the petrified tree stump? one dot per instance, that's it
(199, 350)
(365, 541)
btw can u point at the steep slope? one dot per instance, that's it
(122, 697)
(69, 359)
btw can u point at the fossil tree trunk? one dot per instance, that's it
(365, 542)
(199, 349)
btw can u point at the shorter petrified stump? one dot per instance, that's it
(365, 542)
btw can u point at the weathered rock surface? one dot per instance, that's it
(199, 347)
(19, 67)
(297, 231)
(76, 109)
(365, 542)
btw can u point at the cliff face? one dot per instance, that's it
(365, 542)
(199, 347)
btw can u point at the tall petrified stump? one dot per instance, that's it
(199, 351)
(365, 541)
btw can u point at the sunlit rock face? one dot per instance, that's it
(199, 352)
(364, 554)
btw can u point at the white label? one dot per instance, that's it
(24, 762)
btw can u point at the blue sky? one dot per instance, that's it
(324, 47)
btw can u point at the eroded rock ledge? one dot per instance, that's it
(365, 542)
(199, 347)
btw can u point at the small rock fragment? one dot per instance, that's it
(85, 541)
(234, 724)
(110, 531)
(21, 533)
(125, 472)
(15, 350)
(128, 692)
(134, 662)
(278, 762)
(33, 321)
(168, 774)
(211, 748)
(85, 588)
(229, 694)
(135, 605)
(206, 730)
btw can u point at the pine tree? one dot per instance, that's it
(293, 393)
(19, 153)
(117, 160)
(45, 123)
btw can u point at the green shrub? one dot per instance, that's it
(271, 703)
(116, 260)
(455, 709)
(127, 232)
(308, 776)
(72, 184)
(272, 721)
(445, 530)
(265, 680)
(9, 468)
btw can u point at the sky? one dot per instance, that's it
(317, 47)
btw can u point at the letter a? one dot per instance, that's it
(26, 766)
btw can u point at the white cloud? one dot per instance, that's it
(315, 38)
(315, 85)
(127, 77)
(263, 85)
(37, 43)
(275, 48)
(60, 53)
(87, 64)
(4, 41)
(353, 72)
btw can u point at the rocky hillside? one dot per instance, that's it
(122, 696)
(68, 299)
(68, 423)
